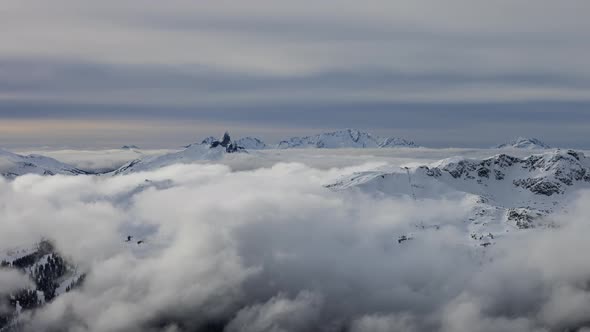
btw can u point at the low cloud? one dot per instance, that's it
(271, 249)
(12, 280)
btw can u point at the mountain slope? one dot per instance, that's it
(251, 143)
(194, 152)
(348, 138)
(392, 142)
(524, 143)
(51, 276)
(505, 192)
(13, 165)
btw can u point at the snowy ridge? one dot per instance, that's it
(348, 138)
(392, 142)
(194, 152)
(13, 165)
(506, 192)
(130, 147)
(524, 143)
(251, 143)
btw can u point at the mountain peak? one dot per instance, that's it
(130, 147)
(227, 143)
(192, 153)
(208, 140)
(345, 138)
(251, 143)
(524, 143)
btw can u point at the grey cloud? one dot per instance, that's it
(12, 280)
(402, 66)
(38, 79)
(270, 249)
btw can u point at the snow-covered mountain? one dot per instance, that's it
(13, 165)
(392, 142)
(505, 192)
(251, 143)
(524, 143)
(130, 147)
(208, 140)
(194, 152)
(50, 273)
(348, 138)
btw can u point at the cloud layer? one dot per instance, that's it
(271, 249)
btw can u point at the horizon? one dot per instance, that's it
(273, 143)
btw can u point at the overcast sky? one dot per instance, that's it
(166, 73)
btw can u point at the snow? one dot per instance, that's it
(68, 281)
(12, 165)
(15, 253)
(505, 193)
(251, 143)
(348, 138)
(524, 143)
(193, 153)
(189, 155)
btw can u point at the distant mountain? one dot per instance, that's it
(505, 193)
(393, 142)
(524, 143)
(348, 138)
(13, 165)
(251, 143)
(129, 147)
(209, 140)
(194, 152)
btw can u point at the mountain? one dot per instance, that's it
(392, 142)
(194, 152)
(130, 147)
(348, 138)
(13, 165)
(504, 192)
(251, 143)
(209, 140)
(524, 143)
(51, 276)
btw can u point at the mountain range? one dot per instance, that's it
(13, 165)
(348, 138)
(505, 193)
(524, 143)
(210, 148)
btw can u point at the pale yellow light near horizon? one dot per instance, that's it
(103, 132)
(28, 126)
(159, 133)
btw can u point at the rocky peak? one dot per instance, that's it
(208, 140)
(226, 142)
(545, 174)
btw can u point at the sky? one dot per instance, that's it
(167, 73)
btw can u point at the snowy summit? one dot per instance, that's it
(194, 152)
(348, 138)
(524, 143)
